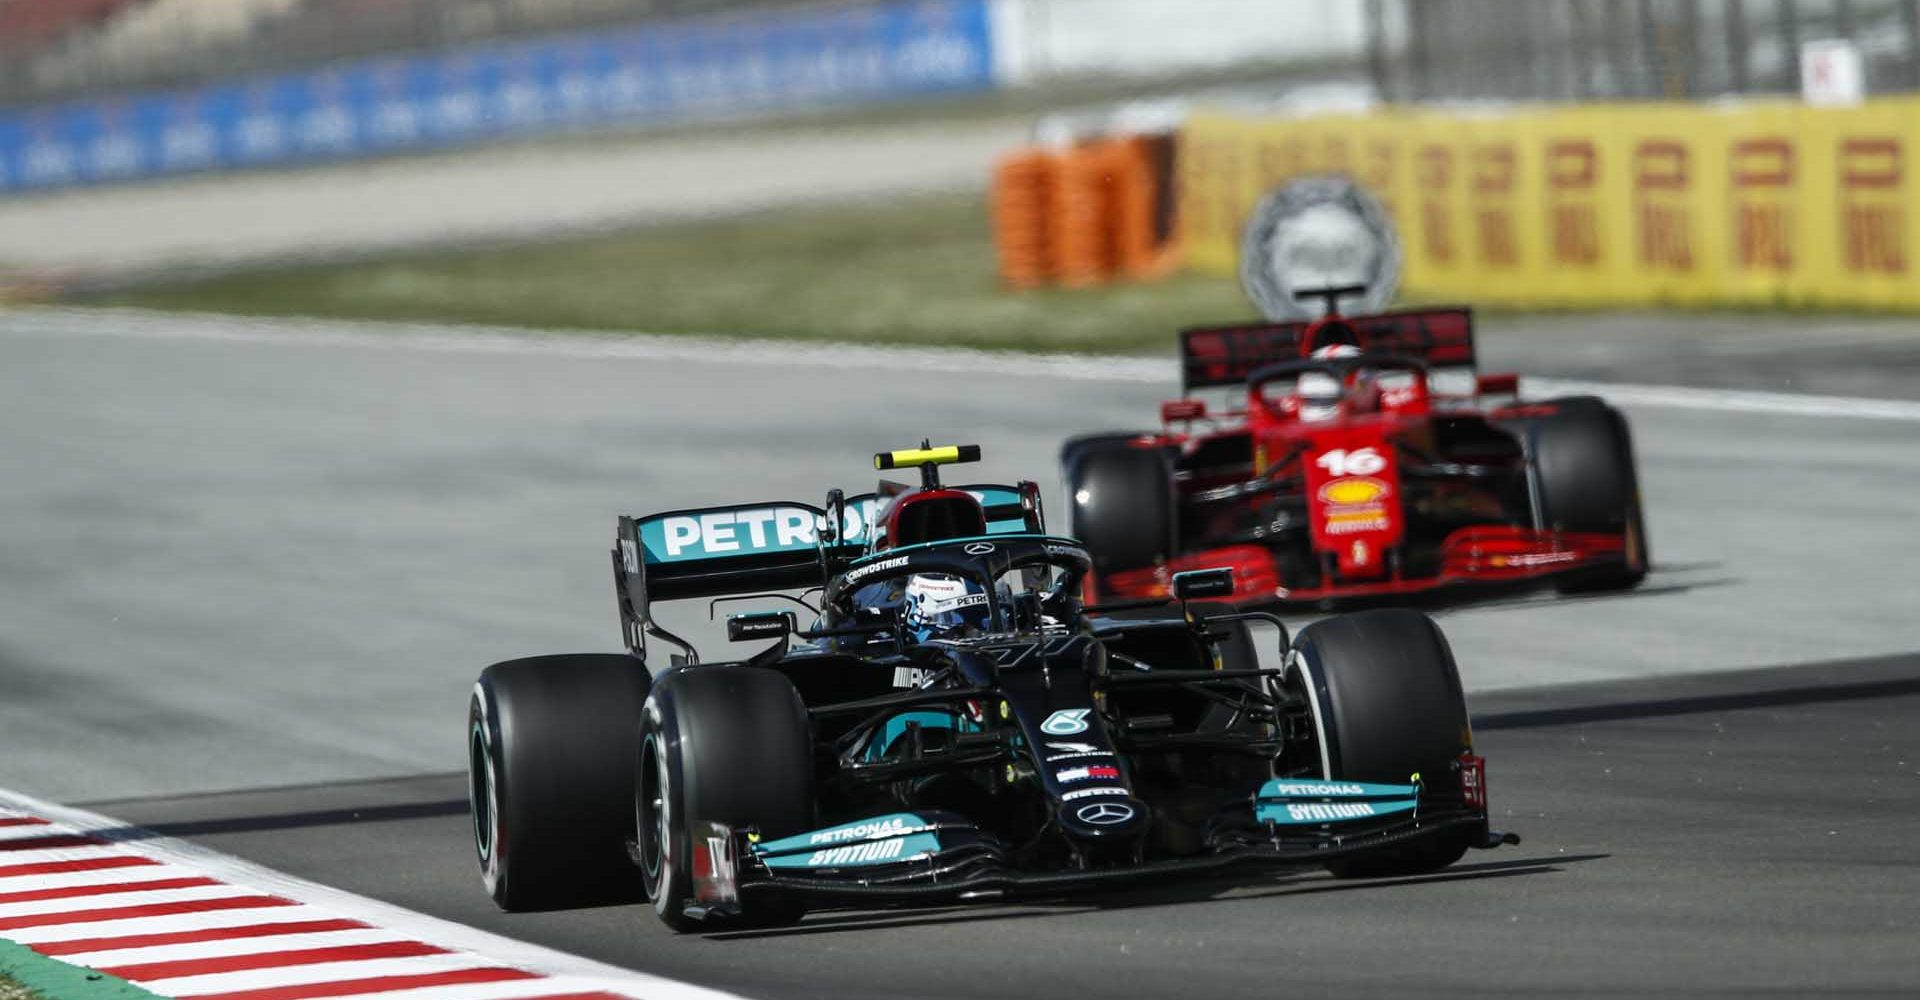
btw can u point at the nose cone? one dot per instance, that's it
(1104, 817)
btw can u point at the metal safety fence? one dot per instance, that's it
(1584, 50)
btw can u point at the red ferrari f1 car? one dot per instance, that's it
(1358, 457)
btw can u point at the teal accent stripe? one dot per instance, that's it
(1319, 813)
(52, 979)
(896, 727)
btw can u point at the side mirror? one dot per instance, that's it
(760, 625)
(1031, 509)
(1200, 584)
(836, 517)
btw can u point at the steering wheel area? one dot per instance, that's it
(1023, 576)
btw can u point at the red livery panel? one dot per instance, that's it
(1338, 468)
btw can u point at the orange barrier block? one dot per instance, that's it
(1023, 186)
(1082, 225)
(1142, 229)
(1086, 215)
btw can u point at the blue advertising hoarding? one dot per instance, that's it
(661, 73)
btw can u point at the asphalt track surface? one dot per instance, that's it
(248, 574)
(1733, 834)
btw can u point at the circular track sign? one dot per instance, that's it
(1318, 232)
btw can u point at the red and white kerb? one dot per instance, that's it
(174, 928)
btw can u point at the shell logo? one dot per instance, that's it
(1353, 490)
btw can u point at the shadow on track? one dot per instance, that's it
(1691, 694)
(1206, 890)
(425, 796)
(304, 820)
(1520, 594)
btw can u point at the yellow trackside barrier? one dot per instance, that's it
(1599, 205)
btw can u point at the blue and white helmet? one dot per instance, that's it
(937, 603)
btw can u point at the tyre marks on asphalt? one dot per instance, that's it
(166, 917)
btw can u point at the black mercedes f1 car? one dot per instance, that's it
(950, 721)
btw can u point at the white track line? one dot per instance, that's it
(79, 904)
(736, 352)
(464, 947)
(166, 924)
(322, 972)
(453, 339)
(235, 946)
(100, 876)
(1729, 400)
(9, 859)
(511, 990)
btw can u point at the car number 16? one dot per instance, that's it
(1358, 462)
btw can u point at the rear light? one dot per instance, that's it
(1473, 781)
(1497, 385)
(1176, 410)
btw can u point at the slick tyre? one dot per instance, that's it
(1587, 481)
(719, 744)
(1387, 705)
(1120, 501)
(550, 751)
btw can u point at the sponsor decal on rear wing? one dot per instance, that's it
(1214, 356)
(716, 551)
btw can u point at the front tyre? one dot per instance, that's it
(1387, 705)
(719, 744)
(550, 750)
(1120, 501)
(1584, 467)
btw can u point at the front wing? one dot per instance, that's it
(726, 864)
(1490, 554)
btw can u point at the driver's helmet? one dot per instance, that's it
(930, 604)
(1319, 392)
(937, 604)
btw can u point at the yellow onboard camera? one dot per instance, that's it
(927, 459)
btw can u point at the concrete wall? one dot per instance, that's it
(1041, 39)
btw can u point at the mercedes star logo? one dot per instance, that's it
(1104, 813)
(979, 548)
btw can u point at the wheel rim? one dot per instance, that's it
(1302, 673)
(481, 792)
(651, 825)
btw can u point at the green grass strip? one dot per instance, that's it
(26, 974)
(917, 271)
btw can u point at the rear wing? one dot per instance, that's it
(761, 548)
(1213, 356)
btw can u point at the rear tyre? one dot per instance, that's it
(1387, 705)
(725, 745)
(550, 750)
(1583, 458)
(1120, 501)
